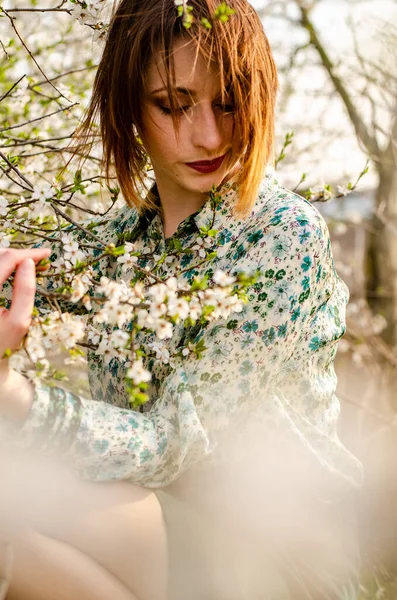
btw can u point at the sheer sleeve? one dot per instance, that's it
(277, 353)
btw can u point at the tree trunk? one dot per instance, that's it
(381, 259)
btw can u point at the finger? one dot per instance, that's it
(34, 253)
(10, 259)
(20, 314)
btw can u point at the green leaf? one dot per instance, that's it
(162, 258)
(223, 12)
(77, 178)
(177, 244)
(199, 284)
(59, 375)
(118, 251)
(206, 23)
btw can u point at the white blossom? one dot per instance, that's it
(343, 190)
(71, 250)
(70, 330)
(144, 319)
(115, 313)
(43, 192)
(201, 245)
(3, 206)
(107, 350)
(178, 307)
(158, 292)
(119, 338)
(88, 15)
(18, 361)
(35, 348)
(55, 333)
(4, 240)
(39, 210)
(86, 302)
(126, 260)
(223, 279)
(163, 329)
(195, 309)
(93, 335)
(162, 352)
(138, 373)
(67, 93)
(158, 309)
(40, 372)
(172, 283)
(80, 285)
(321, 191)
(114, 290)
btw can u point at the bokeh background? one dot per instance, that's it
(336, 146)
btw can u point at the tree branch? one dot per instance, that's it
(369, 141)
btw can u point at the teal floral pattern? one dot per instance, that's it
(276, 356)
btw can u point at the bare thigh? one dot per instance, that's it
(117, 524)
(126, 535)
(46, 569)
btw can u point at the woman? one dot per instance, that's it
(183, 501)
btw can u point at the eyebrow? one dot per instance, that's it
(182, 90)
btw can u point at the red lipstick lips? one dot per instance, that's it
(207, 166)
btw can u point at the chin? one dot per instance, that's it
(203, 182)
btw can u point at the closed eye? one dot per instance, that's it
(227, 108)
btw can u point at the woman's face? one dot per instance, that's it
(206, 126)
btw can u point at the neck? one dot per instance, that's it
(177, 204)
(174, 210)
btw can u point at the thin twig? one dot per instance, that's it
(65, 74)
(39, 118)
(30, 53)
(11, 88)
(16, 170)
(73, 222)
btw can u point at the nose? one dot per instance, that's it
(207, 128)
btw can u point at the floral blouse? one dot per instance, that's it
(276, 355)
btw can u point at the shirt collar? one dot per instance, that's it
(228, 194)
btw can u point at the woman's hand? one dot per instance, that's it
(14, 323)
(16, 392)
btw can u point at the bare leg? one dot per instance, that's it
(125, 534)
(46, 569)
(118, 525)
